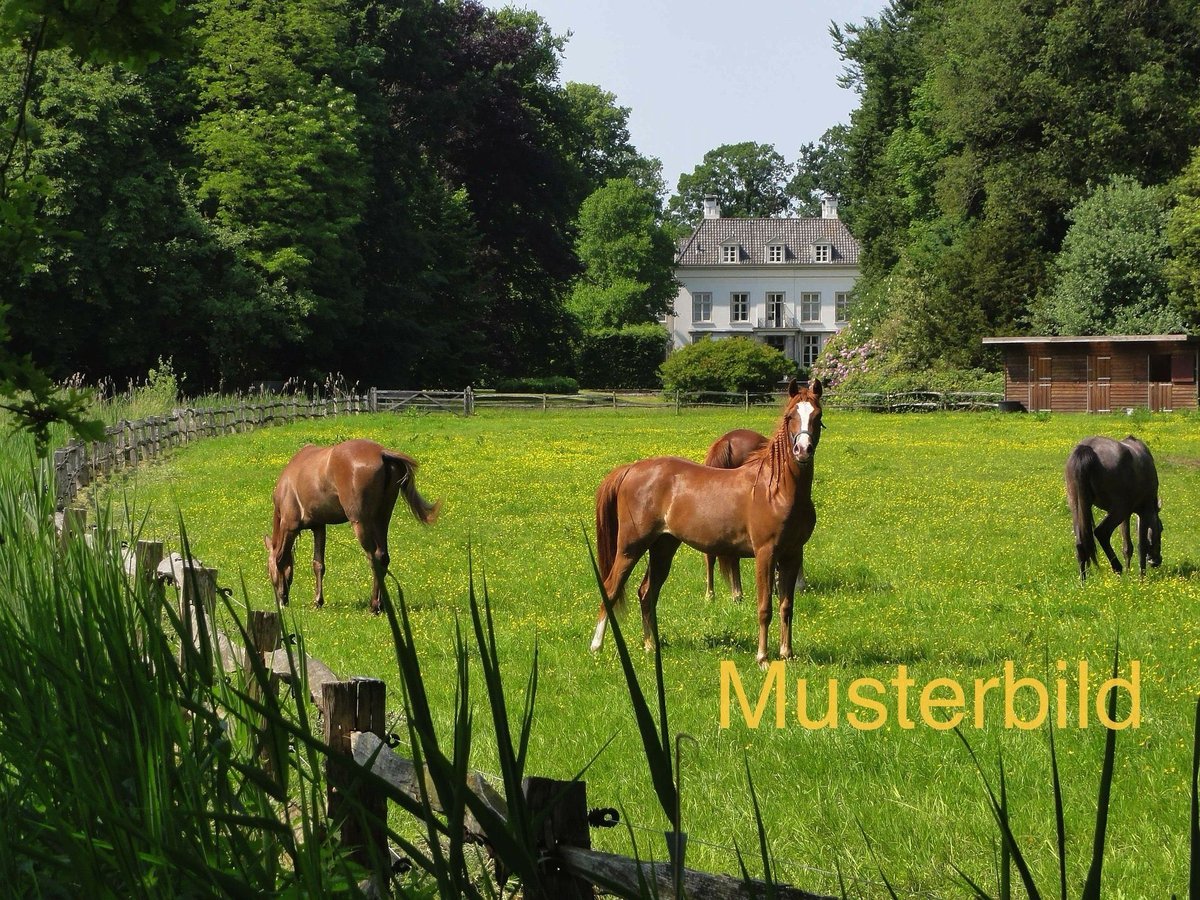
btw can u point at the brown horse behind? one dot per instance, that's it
(355, 481)
(730, 451)
(763, 510)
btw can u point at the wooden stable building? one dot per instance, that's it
(1101, 373)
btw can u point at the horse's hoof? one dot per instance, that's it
(708, 596)
(737, 598)
(764, 663)
(786, 653)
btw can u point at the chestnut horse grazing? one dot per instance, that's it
(763, 510)
(355, 481)
(1120, 478)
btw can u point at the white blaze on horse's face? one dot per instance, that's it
(804, 438)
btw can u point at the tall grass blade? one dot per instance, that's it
(871, 849)
(1059, 820)
(658, 750)
(763, 848)
(1000, 814)
(1091, 887)
(1005, 851)
(1194, 867)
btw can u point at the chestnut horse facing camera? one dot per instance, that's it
(762, 509)
(355, 481)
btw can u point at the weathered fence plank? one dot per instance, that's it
(347, 707)
(619, 874)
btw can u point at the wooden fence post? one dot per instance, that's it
(197, 604)
(266, 636)
(73, 524)
(565, 824)
(348, 706)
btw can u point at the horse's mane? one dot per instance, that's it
(774, 454)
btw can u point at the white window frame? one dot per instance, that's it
(702, 306)
(776, 308)
(810, 349)
(739, 302)
(841, 306)
(775, 253)
(822, 253)
(810, 306)
(730, 253)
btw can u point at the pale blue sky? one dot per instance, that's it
(698, 74)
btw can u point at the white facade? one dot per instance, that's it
(785, 282)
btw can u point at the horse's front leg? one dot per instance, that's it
(788, 575)
(764, 565)
(1127, 545)
(1143, 545)
(319, 564)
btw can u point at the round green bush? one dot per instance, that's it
(732, 364)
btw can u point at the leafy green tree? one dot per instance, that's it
(602, 147)
(1110, 276)
(122, 266)
(749, 180)
(821, 168)
(627, 256)
(1183, 238)
(279, 161)
(97, 31)
(732, 364)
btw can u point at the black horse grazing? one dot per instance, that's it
(1119, 477)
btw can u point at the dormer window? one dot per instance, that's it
(730, 253)
(775, 253)
(822, 253)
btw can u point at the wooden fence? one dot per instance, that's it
(129, 443)
(914, 401)
(352, 714)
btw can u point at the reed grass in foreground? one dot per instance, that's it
(943, 544)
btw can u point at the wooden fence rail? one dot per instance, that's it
(129, 443)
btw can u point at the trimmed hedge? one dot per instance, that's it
(729, 364)
(547, 384)
(626, 357)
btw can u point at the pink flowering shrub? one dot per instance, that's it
(839, 361)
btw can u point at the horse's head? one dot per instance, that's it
(802, 419)
(279, 567)
(1154, 538)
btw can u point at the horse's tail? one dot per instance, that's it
(727, 564)
(404, 467)
(606, 526)
(1081, 466)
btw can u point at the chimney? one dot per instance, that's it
(712, 209)
(828, 206)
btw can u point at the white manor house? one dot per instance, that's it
(785, 282)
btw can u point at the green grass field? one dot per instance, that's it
(943, 544)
